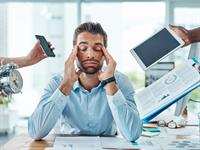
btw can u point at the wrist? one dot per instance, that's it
(111, 88)
(194, 36)
(107, 81)
(66, 86)
(27, 61)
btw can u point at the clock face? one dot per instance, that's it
(15, 81)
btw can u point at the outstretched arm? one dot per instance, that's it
(34, 56)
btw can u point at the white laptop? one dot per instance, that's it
(156, 47)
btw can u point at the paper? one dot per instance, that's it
(168, 89)
(120, 143)
(150, 134)
(179, 144)
(68, 149)
(78, 143)
(183, 131)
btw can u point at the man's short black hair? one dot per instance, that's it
(94, 28)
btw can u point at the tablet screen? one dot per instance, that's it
(156, 47)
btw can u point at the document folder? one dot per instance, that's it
(170, 88)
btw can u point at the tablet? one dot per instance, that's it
(157, 47)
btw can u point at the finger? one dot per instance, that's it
(52, 48)
(108, 57)
(171, 26)
(72, 55)
(44, 56)
(74, 51)
(99, 72)
(78, 72)
(49, 43)
(106, 53)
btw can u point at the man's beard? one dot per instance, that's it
(89, 70)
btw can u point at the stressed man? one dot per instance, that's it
(89, 99)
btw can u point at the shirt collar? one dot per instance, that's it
(76, 85)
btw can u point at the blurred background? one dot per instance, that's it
(127, 23)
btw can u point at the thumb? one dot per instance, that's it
(99, 74)
(78, 72)
(172, 27)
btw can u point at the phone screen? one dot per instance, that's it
(45, 46)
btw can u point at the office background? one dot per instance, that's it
(127, 22)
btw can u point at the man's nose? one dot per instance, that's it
(90, 53)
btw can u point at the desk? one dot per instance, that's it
(24, 142)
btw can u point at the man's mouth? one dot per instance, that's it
(90, 62)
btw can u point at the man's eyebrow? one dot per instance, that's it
(98, 43)
(83, 43)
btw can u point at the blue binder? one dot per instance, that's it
(161, 109)
(153, 114)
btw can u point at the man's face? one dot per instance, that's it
(90, 54)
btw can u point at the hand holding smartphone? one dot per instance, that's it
(45, 46)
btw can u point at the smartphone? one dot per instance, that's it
(45, 46)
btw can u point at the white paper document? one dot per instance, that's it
(100, 143)
(167, 89)
(121, 143)
(183, 131)
(179, 144)
(78, 143)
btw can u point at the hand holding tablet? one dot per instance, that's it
(157, 47)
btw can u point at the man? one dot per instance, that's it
(88, 100)
(188, 36)
(33, 57)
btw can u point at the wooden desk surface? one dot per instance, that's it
(25, 142)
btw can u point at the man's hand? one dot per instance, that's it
(37, 54)
(111, 88)
(70, 74)
(111, 65)
(183, 33)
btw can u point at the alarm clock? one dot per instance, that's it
(11, 81)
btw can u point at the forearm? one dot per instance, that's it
(126, 116)
(65, 87)
(111, 88)
(20, 61)
(46, 115)
(195, 35)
